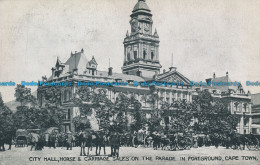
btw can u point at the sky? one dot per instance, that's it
(204, 36)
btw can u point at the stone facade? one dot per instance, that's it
(141, 64)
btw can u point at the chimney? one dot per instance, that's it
(82, 50)
(208, 80)
(172, 68)
(214, 75)
(227, 74)
(110, 73)
(53, 69)
(164, 71)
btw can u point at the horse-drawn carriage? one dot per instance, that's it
(22, 138)
(180, 141)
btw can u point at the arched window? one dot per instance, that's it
(128, 56)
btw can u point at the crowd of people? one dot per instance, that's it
(99, 140)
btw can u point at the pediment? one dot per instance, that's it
(172, 77)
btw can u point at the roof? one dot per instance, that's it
(224, 79)
(255, 99)
(50, 130)
(123, 77)
(235, 87)
(141, 5)
(77, 61)
(93, 61)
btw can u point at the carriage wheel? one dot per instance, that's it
(181, 145)
(250, 146)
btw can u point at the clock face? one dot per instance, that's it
(134, 24)
(147, 27)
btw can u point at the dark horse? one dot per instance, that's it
(52, 140)
(99, 140)
(85, 139)
(5, 140)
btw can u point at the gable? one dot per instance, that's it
(93, 61)
(172, 77)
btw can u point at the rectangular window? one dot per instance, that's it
(135, 55)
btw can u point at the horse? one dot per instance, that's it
(156, 141)
(164, 141)
(216, 139)
(148, 141)
(238, 141)
(115, 144)
(100, 142)
(6, 140)
(53, 140)
(69, 141)
(85, 139)
(62, 139)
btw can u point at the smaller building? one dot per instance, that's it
(239, 101)
(256, 113)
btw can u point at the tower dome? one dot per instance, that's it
(141, 5)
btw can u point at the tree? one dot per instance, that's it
(81, 123)
(52, 96)
(104, 108)
(37, 118)
(6, 121)
(213, 115)
(154, 100)
(83, 99)
(138, 117)
(122, 106)
(24, 96)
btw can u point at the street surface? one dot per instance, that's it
(130, 155)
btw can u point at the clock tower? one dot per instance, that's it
(141, 46)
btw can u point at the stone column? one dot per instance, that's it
(159, 96)
(241, 125)
(171, 97)
(231, 107)
(250, 124)
(165, 95)
(139, 51)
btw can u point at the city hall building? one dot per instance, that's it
(141, 64)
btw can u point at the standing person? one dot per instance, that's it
(195, 140)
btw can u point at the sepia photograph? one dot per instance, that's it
(129, 82)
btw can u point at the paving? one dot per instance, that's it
(130, 155)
